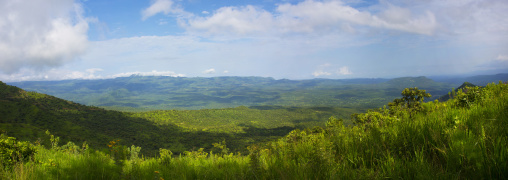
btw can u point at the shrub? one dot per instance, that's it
(12, 151)
(467, 96)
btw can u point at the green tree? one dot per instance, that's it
(411, 101)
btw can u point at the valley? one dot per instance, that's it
(259, 119)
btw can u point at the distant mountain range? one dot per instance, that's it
(479, 80)
(156, 92)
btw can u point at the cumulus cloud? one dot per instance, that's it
(309, 16)
(160, 6)
(40, 33)
(430, 17)
(320, 73)
(240, 20)
(344, 71)
(209, 71)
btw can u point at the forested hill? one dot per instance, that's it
(151, 93)
(27, 115)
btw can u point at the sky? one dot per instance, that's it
(293, 39)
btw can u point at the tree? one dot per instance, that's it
(411, 101)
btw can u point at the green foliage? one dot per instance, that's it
(241, 119)
(54, 141)
(453, 93)
(334, 123)
(165, 156)
(221, 147)
(12, 151)
(467, 96)
(134, 152)
(411, 101)
(373, 118)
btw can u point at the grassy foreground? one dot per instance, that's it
(463, 138)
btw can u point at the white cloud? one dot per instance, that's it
(239, 20)
(26, 74)
(313, 15)
(94, 70)
(40, 33)
(209, 71)
(309, 17)
(326, 68)
(502, 57)
(320, 73)
(62, 74)
(160, 6)
(225, 71)
(344, 71)
(430, 17)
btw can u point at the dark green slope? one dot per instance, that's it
(27, 115)
(461, 87)
(395, 86)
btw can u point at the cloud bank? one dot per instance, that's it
(58, 74)
(40, 33)
(309, 16)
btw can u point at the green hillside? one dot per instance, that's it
(451, 94)
(27, 115)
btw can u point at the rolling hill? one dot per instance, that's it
(27, 115)
(137, 93)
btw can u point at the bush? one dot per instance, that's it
(12, 151)
(467, 96)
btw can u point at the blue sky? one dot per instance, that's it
(294, 39)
